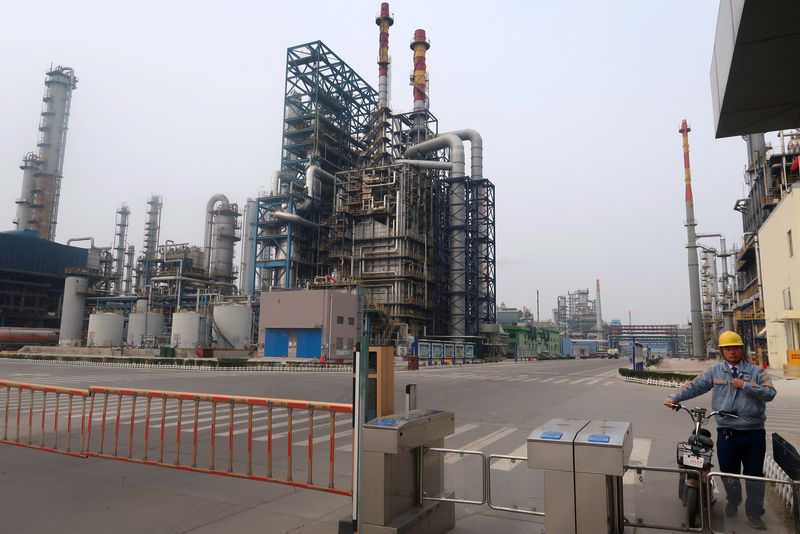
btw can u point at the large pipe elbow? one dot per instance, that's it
(312, 172)
(277, 176)
(76, 239)
(476, 150)
(293, 217)
(448, 140)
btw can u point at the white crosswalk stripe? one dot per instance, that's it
(504, 464)
(481, 443)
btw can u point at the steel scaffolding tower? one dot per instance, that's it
(328, 109)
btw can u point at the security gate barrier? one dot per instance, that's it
(679, 525)
(120, 424)
(20, 428)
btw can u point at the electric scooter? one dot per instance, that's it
(695, 454)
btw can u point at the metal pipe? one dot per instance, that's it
(476, 151)
(277, 177)
(293, 217)
(447, 140)
(427, 164)
(313, 171)
(457, 220)
(698, 344)
(76, 239)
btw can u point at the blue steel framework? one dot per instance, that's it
(485, 253)
(331, 120)
(327, 111)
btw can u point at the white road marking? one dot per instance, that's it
(480, 443)
(534, 379)
(560, 381)
(579, 380)
(595, 381)
(505, 464)
(548, 379)
(639, 455)
(608, 383)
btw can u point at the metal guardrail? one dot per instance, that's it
(493, 506)
(460, 452)
(639, 469)
(130, 438)
(37, 400)
(794, 486)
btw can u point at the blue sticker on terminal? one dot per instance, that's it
(551, 435)
(387, 421)
(599, 438)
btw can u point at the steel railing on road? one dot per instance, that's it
(21, 428)
(793, 486)
(513, 460)
(135, 425)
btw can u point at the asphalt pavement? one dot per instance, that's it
(495, 405)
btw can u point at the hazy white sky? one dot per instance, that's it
(579, 105)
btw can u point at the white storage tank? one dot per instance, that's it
(186, 330)
(105, 329)
(71, 331)
(232, 326)
(144, 324)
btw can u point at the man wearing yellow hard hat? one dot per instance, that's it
(745, 389)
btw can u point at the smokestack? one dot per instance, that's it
(598, 312)
(419, 79)
(383, 21)
(698, 345)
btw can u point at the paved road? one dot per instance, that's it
(496, 407)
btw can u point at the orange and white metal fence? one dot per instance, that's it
(256, 438)
(37, 416)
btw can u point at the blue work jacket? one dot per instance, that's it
(749, 402)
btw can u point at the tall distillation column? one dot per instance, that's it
(698, 345)
(248, 263)
(598, 311)
(120, 245)
(25, 202)
(152, 226)
(52, 142)
(220, 239)
(152, 231)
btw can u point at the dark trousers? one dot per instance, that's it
(737, 449)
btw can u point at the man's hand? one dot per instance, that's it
(669, 401)
(737, 383)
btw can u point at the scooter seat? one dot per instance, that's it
(703, 441)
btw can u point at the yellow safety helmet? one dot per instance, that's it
(730, 339)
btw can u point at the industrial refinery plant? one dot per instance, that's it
(371, 213)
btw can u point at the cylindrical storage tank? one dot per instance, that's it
(141, 325)
(105, 330)
(232, 326)
(186, 330)
(140, 306)
(71, 329)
